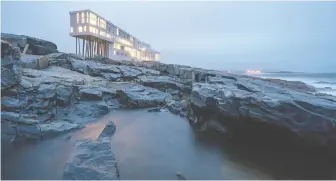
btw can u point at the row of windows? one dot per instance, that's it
(123, 41)
(97, 21)
(92, 30)
(134, 53)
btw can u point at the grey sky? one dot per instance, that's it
(298, 36)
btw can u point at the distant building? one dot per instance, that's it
(97, 36)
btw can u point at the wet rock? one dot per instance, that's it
(307, 116)
(180, 176)
(10, 104)
(91, 160)
(28, 132)
(108, 131)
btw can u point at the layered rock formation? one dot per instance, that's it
(73, 91)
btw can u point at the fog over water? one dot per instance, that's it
(293, 36)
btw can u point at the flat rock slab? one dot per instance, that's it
(91, 160)
(53, 128)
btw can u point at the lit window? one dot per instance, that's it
(80, 29)
(77, 17)
(102, 23)
(114, 52)
(157, 56)
(117, 46)
(83, 18)
(71, 29)
(87, 17)
(84, 28)
(117, 31)
(93, 19)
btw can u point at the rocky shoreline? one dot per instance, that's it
(73, 91)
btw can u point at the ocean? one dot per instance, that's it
(324, 82)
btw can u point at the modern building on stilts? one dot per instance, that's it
(97, 36)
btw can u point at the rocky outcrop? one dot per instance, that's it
(52, 101)
(75, 90)
(93, 159)
(36, 46)
(304, 115)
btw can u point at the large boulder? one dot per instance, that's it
(36, 46)
(137, 96)
(309, 117)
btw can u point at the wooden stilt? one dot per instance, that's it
(83, 46)
(76, 45)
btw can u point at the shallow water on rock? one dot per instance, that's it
(155, 145)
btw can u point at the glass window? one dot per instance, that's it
(83, 20)
(71, 29)
(84, 28)
(93, 19)
(77, 17)
(102, 23)
(157, 56)
(80, 29)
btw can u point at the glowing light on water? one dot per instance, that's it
(253, 71)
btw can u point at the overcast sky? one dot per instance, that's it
(296, 36)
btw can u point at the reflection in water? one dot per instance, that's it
(147, 146)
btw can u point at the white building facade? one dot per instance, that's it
(97, 36)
